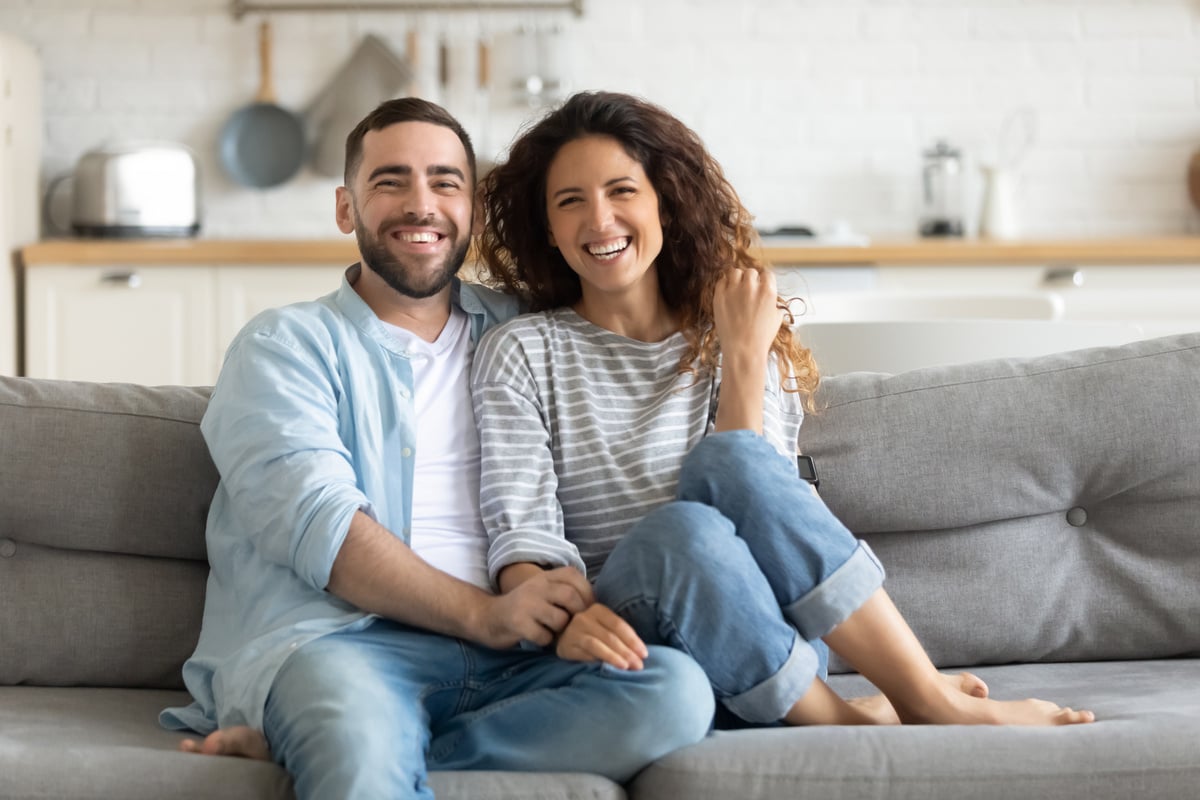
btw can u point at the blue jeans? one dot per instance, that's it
(366, 714)
(744, 572)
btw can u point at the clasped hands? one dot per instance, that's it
(558, 606)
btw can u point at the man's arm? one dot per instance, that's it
(379, 573)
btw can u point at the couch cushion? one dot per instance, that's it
(61, 743)
(1028, 510)
(104, 493)
(1143, 745)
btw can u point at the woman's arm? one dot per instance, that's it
(747, 317)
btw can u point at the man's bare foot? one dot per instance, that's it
(240, 741)
(879, 709)
(959, 709)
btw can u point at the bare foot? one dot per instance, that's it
(960, 709)
(879, 709)
(239, 741)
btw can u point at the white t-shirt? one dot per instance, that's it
(447, 530)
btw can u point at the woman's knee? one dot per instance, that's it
(740, 456)
(680, 530)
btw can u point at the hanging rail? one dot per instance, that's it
(241, 7)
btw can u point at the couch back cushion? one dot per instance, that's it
(1041, 509)
(104, 493)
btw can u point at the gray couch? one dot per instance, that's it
(1040, 520)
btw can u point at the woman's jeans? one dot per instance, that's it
(744, 572)
(366, 714)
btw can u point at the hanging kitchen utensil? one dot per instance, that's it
(372, 74)
(263, 144)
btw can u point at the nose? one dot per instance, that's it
(417, 203)
(601, 214)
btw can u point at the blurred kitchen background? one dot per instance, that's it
(1047, 151)
(819, 111)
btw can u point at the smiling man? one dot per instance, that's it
(350, 630)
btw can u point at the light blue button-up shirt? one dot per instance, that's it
(310, 421)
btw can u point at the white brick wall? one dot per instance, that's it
(818, 109)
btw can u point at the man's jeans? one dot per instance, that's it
(361, 715)
(745, 572)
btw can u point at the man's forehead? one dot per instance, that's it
(418, 145)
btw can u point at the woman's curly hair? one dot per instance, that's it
(706, 229)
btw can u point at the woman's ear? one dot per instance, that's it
(550, 236)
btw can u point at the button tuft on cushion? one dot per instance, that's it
(8, 548)
(1076, 516)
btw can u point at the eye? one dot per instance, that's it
(446, 185)
(624, 190)
(567, 201)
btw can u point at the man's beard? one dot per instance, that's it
(404, 279)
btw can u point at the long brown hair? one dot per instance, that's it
(706, 229)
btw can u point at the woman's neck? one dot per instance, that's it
(644, 319)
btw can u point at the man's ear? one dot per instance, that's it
(344, 213)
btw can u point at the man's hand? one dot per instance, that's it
(598, 634)
(537, 610)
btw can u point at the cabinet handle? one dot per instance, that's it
(130, 279)
(1063, 276)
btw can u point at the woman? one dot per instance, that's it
(606, 444)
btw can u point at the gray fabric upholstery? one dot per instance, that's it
(1143, 746)
(1045, 509)
(104, 493)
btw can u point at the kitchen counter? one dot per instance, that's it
(790, 252)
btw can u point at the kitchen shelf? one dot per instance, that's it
(966, 252)
(241, 8)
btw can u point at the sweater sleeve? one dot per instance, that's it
(518, 483)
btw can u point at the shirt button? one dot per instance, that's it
(406, 452)
(8, 548)
(404, 392)
(293, 645)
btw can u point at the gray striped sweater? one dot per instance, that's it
(583, 432)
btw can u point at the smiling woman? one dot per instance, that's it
(604, 446)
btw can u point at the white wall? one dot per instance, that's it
(817, 109)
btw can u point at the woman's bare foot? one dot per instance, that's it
(878, 708)
(238, 741)
(955, 708)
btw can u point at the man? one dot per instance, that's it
(348, 613)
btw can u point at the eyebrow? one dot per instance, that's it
(406, 170)
(607, 183)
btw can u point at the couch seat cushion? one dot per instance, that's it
(1142, 745)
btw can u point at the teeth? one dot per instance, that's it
(610, 248)
(422, 237)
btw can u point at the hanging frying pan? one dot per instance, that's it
(263, 144)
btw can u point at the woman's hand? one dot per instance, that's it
(747, 317)
(598, 634)
(746, 314)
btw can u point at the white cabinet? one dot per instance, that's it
(20, 157)
(151, 325)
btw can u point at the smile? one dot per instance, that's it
(607, 251)
(418, 237)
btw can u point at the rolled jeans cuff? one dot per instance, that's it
(771, 699)
(838, 596)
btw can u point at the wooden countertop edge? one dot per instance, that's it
(1150, 250)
